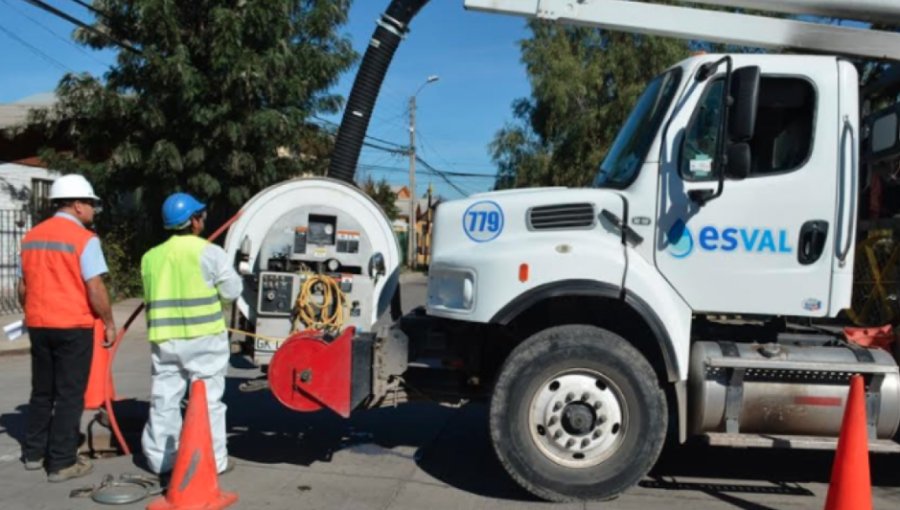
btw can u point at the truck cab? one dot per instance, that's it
(777, 241)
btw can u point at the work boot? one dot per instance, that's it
(229, 467)
(80, 468)
(33, 465)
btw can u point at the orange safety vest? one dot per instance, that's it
(56, 295)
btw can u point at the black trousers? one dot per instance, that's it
(60, 365)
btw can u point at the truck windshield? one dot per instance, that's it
(624, 159)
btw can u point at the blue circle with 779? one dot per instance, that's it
(483, 221)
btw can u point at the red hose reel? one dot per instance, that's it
(310, 371)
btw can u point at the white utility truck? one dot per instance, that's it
(696, 290)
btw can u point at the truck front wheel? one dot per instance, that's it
(577, 413)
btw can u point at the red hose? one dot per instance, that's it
(113, 423)
(215, 235)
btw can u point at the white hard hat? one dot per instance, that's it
(70, 187)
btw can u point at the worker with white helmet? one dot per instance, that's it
(185, 279)
(61, 287)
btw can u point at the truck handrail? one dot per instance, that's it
(846, 241)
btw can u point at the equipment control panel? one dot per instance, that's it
(347, 241)
(278, 291)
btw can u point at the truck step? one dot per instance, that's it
(791, 442)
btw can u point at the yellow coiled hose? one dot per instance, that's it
(327, 315)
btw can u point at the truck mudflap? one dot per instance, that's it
(312, 370)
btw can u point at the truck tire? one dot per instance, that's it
(577, 413)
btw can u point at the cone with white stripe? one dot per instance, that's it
(195, 483)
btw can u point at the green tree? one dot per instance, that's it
(382, 193)
(214, 100)
(584, 83)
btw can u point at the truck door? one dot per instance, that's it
(766, 246)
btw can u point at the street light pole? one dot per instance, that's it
(413, 202)
(411, 232)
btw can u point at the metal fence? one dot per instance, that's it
(13, 225)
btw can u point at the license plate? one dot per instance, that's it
(267, 345)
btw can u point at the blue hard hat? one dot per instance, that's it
(178, 209)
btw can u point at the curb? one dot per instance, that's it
(15, 352)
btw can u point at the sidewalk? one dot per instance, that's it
(20, 345)
(121, 310)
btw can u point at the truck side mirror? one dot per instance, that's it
(745, 96)
(739, 161)
(735, 128)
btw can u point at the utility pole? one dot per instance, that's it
(411, 236)
(413, 199)
(426, 231)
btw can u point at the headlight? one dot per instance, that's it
(452, 289)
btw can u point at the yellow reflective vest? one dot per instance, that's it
(179, 302)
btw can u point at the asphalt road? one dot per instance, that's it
(412, 457)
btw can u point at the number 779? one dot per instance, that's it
(479, 221)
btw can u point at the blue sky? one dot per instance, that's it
(475, 55)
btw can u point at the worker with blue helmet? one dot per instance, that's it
(178, 209)
(185, 279)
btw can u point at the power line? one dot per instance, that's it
(370, 137)
(426, 143)
(326, 121)
(398, 121)
(54, 34)
(471, 175)
(370, 169)
(440, 174)
(461, 175)
(75, 21)
(404, 147)
(90, 8)
(397, 176)
(402, 152)
(445, 176)
(432, 169)
(56, 63)
(381, 168)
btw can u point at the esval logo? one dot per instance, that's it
(681, 242)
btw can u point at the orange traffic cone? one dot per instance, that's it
(194, 483)
(851, 485)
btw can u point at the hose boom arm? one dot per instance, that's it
(722, 26)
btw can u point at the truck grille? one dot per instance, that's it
(561, 216)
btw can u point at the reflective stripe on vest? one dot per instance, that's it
(177, 303)
(185, 321)
(56, 295)
(48, 246)
(180, 304)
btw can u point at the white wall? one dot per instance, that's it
(15, 193)
(15, 183)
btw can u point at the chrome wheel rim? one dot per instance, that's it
(577, 418)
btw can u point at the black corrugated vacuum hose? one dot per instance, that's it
(392, 26)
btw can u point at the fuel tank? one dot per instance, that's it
(787, 389)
